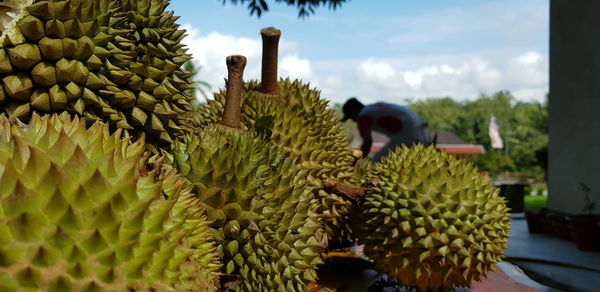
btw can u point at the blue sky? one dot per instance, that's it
(384, 50)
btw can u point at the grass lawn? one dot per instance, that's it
(534, 203)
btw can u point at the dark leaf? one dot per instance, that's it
(264, 126)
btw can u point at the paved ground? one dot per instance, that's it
(533, 263)
(508, 278)
(344, 274)
(354, 275)
(554, 262)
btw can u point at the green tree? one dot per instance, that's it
(523, 128)
(440, 113)
(305, 7)
(494, 162)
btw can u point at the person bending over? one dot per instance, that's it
(401, 125)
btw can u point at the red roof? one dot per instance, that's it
(446, 141)
(461, 149)
(457, 149)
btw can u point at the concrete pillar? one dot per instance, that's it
(574, 103)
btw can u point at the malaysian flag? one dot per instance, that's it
(494, 134)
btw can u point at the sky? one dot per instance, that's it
(383, 50)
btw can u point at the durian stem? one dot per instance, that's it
(233, 97)
(270, 38)
(340, 188)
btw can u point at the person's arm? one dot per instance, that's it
(365, 124)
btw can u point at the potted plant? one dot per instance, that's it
(585, 228)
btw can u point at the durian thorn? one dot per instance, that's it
(16, 121)
(340, 188)
(270, 38)
(152, 164)
(229, 280)
(356, 155)
(233, 97)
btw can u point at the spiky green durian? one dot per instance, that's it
(112, 60)
(262, 213)
(83, 210)
(261, 209)
(430, 220)
(151, 69)
(305, 129)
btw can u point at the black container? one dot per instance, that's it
(534, 222)
(515, 195)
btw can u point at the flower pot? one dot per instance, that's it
(534, 222)
(548, 226)
(562, 229)
(586, 232)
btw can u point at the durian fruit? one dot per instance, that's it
(112, 60)
(150, 70)
(304, 127)
(84, 210)
(260, 205)
(431, 221)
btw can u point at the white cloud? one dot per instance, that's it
(372, 69)
(528, 69)
(295, 68)
(210, 50)
(525, 75)
(523, 72)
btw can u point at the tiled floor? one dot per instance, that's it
(553, 261)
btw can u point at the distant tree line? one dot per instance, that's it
(523, 129)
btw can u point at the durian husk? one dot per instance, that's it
(430, 220)
(118, 61)
(84, 210)
(262, 209)
(10, 12)
(305, 129)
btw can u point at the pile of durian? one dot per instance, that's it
(109, 181)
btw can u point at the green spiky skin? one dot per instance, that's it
(83, 210)
(305, 129)
(112, 60)
(262, 213)
(430, 220)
